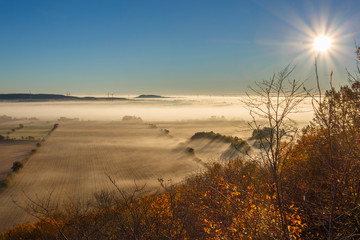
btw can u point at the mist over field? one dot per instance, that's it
(94, 140)
(173, 108)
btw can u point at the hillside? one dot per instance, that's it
(49, 97)
(149, 96)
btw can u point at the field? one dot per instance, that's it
(76, 160)
(11, 152)
(37, 132)
(19, 147)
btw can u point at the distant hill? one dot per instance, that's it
(150, 96)
(27, 97)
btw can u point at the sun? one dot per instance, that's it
(322, 43)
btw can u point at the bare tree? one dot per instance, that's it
(337, 118)
(271, 102)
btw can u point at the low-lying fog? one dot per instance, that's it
(160, 109)
(74, 162)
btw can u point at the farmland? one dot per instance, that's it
(92, 142)
(11, 152)
(75, 161)
(22, 135)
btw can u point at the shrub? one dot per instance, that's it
(165, 131)
(7, 182)
(190, 150)
(17, 166)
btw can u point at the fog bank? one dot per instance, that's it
(162, 109)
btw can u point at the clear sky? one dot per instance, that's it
(169, 47)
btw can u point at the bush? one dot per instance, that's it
(7, 182)
(165, 131)
(17, 166)
(190, 150)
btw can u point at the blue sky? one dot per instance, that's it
(167, 47)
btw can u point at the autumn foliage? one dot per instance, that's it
(323, 169)
(226, 202)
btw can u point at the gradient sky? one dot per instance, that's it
(168, 47)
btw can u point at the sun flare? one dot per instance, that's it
(322, 43)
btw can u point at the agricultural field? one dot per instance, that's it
(75, 161)
(35, 132)
(12, 151)
(22, 129)
(23, 135)
(7, 126)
